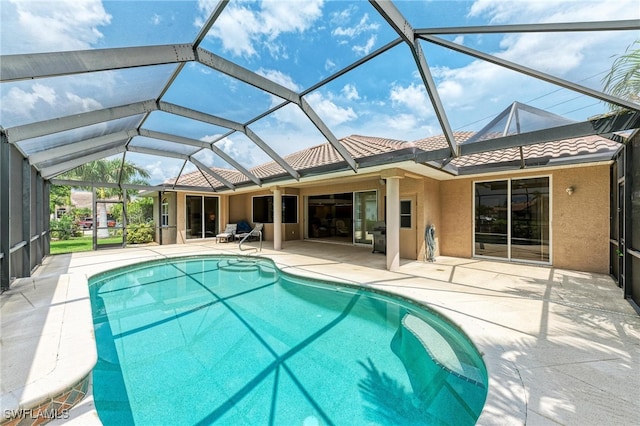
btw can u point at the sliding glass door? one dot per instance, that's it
(365, 213)
(512, 219)
(201, 216)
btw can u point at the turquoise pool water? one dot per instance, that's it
(225, 340)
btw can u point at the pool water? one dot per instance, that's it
(229, 340)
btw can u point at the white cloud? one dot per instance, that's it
(60, 25)
(329, 65)
(160, 171)
(156, 19)
(82, 104)
(366, 48)
(344, 16)
(21, 103)
(581, 57)
(413, 97)
(241, 29)
(280, 78)
(363, 26)
(350, 92)
(402, 122)
(332, 114)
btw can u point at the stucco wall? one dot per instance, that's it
(579, 222)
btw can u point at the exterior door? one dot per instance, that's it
(365, 215)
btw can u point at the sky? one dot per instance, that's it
(298, 44)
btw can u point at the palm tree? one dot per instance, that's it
(623, 80)
(110, 171)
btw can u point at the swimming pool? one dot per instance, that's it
(234, 340)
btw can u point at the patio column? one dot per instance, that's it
(277, 218)
(393, 217)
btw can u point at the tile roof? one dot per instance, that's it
(360, 147)
(556, 149)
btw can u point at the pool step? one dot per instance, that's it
(247, 265)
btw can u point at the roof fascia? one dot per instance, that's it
(53, 64)
(537, 163)
(597, 126)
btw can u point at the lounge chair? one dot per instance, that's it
(255, 233)
(228, 234)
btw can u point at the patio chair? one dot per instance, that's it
(341, 228)
(228, 234)
(254, 234)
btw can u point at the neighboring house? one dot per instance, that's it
(547, 203)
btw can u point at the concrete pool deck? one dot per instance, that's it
(561, 347)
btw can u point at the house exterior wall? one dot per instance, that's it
(579, 222)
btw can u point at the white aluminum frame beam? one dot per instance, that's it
(397, 21)
(531, 72)
(271, 153)
(555, 27)
(53, 64)
(51, 171)
(56, 125)
(206, 169)
(202, 167)
(256, 80)
(201, 144)
(237, 72)
(199, 116)
(50, 154)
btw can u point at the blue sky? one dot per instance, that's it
(297, 44)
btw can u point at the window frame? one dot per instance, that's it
(509, 180)
(164, 213)
(269, 208)
(405, 215)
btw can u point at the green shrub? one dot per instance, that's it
(140, 233)
(64, 228)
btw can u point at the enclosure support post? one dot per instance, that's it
(26, 218)
(5, 274)
(277, 218)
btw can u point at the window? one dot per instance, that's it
(405, 213)
(512, 219)
(263, 209)
(289, 209)
(164, 216)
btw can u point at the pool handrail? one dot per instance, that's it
(255, 232)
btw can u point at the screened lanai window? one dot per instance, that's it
(512, 219)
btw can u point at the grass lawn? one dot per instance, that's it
(76, 244)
